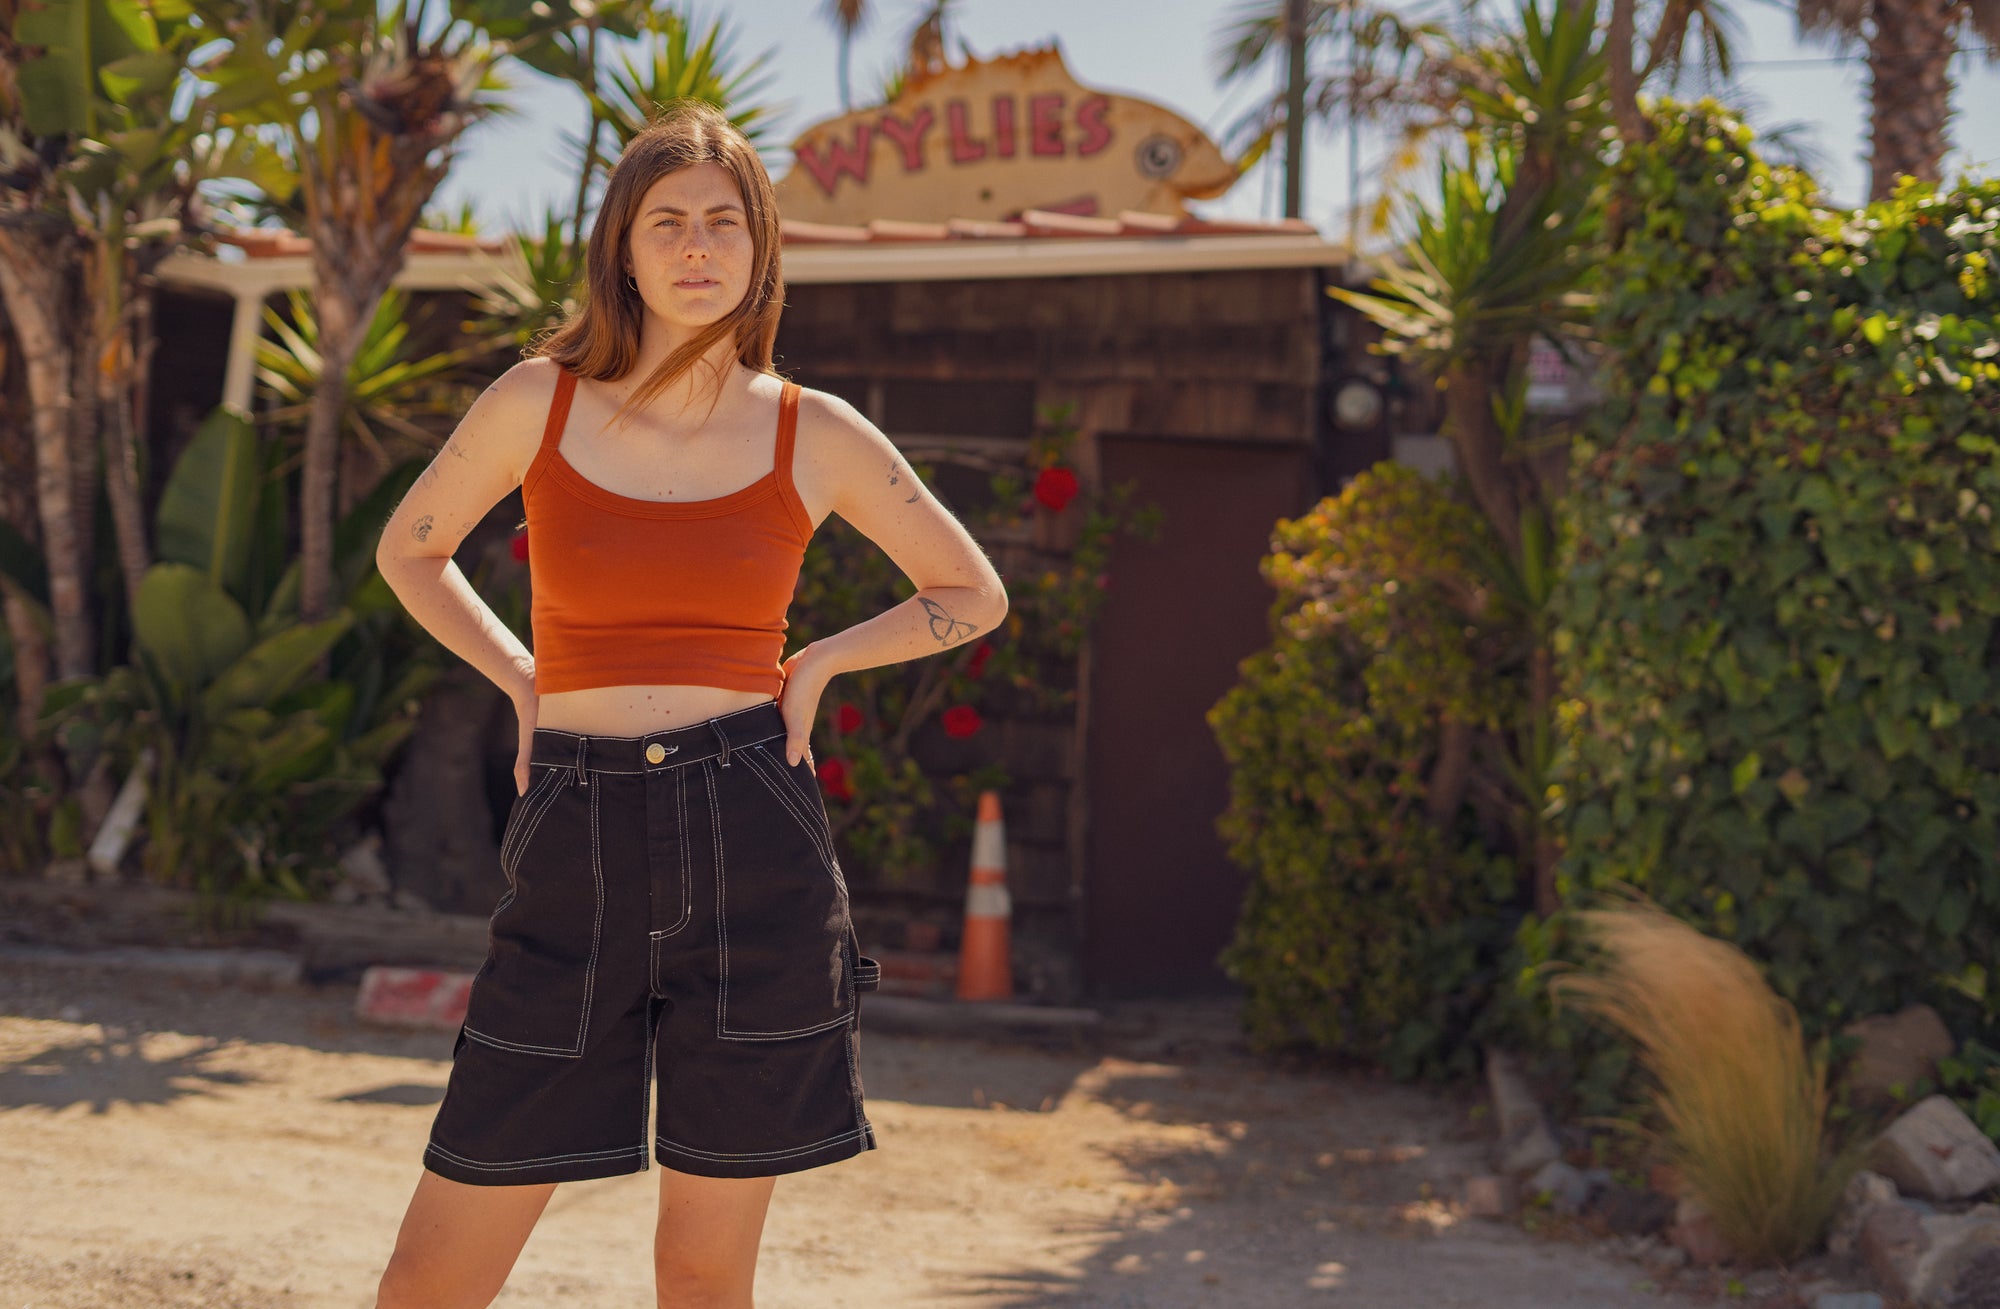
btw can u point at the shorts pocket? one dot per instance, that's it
(523, 819)
(798, 796)
(781, 913)
(533, 993)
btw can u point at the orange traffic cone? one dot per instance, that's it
(984, 972)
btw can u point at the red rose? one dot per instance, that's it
(977, 664)
(847, 717)
(833, 779)
(1055, 486)
(961, 720)
(521, 546)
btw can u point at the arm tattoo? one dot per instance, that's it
(943, 626)
(453, 446)
(430, 475)
(895, 476)
(421, 529)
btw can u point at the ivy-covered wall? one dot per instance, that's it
(1778, 627)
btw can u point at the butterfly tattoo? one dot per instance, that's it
(943, 626)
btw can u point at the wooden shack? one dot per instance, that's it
(1000, 239)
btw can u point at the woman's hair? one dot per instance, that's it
(601, 338)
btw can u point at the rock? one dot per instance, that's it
(1936, 1152)
(1896, 1049)
(1526, 1141)
(1891, 1241)
(1565, 1187)
(1489, 1196)
(1694, 1233)
(1940, 1261)
(361, 868)
(1763, 1282)
(1623, 1210)
(1864, 1191)
(1977, 1285)
(1961, 1269)
(1531, 1149)
(1847, 1300)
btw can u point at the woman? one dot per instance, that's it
(674, 908)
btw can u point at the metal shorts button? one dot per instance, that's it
(655, 753)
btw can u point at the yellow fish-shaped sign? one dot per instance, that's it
(990, 137)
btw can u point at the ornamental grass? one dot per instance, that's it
(1742, 1103)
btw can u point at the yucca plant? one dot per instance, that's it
(1742, 1101)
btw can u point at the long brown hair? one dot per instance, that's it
(600, 339)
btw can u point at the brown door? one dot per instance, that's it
(1160, 896)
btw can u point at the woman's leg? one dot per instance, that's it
(458, 1243)
(705, 1247)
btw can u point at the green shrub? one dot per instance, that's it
(1370, 927)
(1777, 626)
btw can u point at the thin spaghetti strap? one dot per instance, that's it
(788, 427)
(788, 491)
(552, 430)
(559, 407)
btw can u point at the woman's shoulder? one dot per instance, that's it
(834, 421)
(510, 414)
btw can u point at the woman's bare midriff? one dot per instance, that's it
(637, 710)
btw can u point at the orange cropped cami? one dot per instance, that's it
(636, 592)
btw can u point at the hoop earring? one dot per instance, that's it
(631, 281)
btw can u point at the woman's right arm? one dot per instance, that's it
(484, 460)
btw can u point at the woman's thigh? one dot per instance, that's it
(705, 1247)
(458, 1243)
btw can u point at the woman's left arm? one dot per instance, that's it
(959, 595)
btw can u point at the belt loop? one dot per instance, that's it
(582, 777)
(724, 738)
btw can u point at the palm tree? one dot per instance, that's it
(1710, 24)
(1380, 75)
(1910, 45)
(848, 17)
(370, 110)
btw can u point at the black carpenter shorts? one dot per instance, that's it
(673, 910)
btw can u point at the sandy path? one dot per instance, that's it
(166, 1144)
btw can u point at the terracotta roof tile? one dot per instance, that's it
(1128, 224)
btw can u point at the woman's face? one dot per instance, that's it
(689, 246)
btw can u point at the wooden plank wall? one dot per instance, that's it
(1204, 356)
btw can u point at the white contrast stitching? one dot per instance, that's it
(721, 927)
(494, 1041)
(597, 928)
(687, 898)
(512, 835)
(533, 1163)
(834, 1021)
(722, 1029)
(693, 1153)
(526, 832)
(590, 968)
(788, 797)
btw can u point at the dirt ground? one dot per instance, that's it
(167, 1143)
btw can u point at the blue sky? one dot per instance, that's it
(510, 168)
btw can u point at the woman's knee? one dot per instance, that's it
(412, 1283)
(693, 1282)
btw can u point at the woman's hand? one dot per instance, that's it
(526, 708)
(798, 701)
